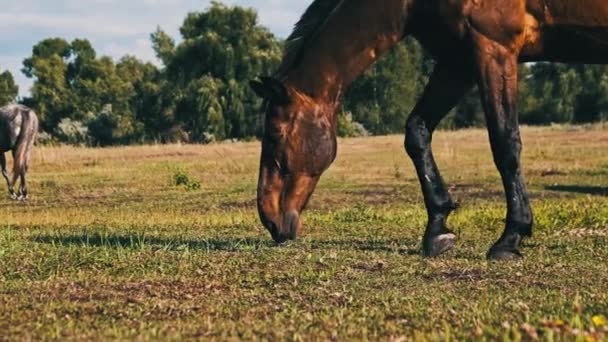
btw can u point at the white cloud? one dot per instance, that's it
(142, 48)
(96, 25)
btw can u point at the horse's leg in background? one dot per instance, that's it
(5, 174)
(16, 175)
(25, 167)
(22, 156)
(23, 185)
(447, 86)
(498, 87)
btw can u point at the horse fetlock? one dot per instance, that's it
(22, 196)
(523, 229)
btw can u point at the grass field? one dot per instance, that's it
(109, 247)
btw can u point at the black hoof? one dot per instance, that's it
(439, 245)
(504, 254)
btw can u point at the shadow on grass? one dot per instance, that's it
(228, 244)
(136, 241)
(580, 189)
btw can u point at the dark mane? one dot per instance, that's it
(313, 20)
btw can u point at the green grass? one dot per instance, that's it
(113, 246)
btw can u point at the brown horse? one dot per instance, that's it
(473, 42)
(18, 130)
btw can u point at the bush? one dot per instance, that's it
(45, 139)
(72, 132)
(182, 179)
(110, 128)
(347, 127)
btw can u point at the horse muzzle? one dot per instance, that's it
(281, 200)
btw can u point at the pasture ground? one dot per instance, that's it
(109, 247)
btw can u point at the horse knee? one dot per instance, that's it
(508, 155)
(417, 137)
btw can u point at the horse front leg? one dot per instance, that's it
(448, 84)
(498, 87)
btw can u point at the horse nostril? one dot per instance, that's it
(275, 232)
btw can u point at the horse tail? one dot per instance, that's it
(25, 141)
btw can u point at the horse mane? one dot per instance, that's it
(308, 27)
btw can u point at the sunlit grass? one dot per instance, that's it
(110, 247)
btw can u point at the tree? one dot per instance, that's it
(8, 89)
(207, 74)
(591, 104)
(563, 93)
(49, 92)
(383, 97)
(146, 101)
(71, 82)
(163, 45)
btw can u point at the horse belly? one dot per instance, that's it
(570, 31)
(577, 13)
(10, 130)
(572, 44)
(5, 144)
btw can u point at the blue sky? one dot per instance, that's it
(115, 27)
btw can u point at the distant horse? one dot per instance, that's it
(473, 42)
(18, 130)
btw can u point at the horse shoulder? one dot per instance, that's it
(501, 21)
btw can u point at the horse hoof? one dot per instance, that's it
(502, 254)
(439, 245)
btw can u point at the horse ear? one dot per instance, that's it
(270, 88)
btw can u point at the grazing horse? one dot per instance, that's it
(474, 42)
(18, 129)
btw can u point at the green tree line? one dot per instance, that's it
(199, 93)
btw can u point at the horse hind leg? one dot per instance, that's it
(5, 174)
(447, 86)
(21, 167)
(23, 190)
(24, 154)
(15, 176)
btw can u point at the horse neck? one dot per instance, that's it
(354, 37)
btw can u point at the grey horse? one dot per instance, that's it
(18, 130)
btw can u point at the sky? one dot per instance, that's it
(114, 27)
